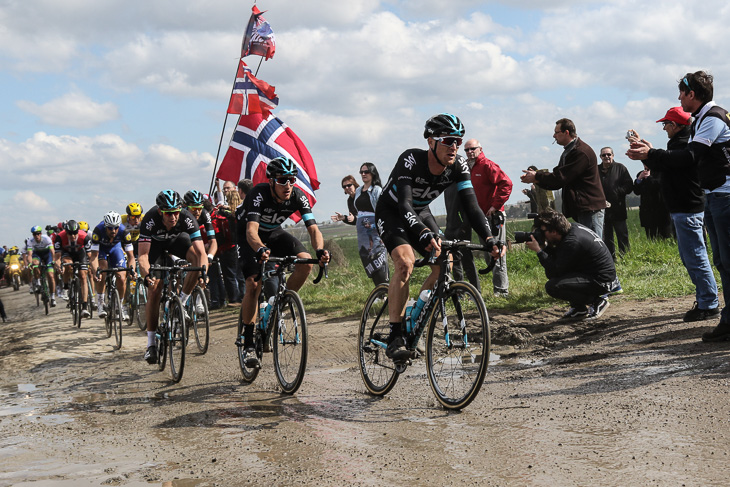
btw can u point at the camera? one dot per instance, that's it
(630, 134)
(522, 237)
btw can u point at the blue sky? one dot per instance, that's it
(105, 103)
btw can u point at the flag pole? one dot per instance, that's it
(220, 142)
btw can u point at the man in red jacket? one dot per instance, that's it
(493, 188)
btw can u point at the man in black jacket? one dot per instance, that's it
(616, 182)
(685, 200)
(578, 266)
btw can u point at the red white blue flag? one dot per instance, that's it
(259, 38)
(251, 95)
(256, 141)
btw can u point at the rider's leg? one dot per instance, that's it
(301, 271)
(249, 307)
(101, 285)
(398, 288)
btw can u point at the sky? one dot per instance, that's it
(106, 103)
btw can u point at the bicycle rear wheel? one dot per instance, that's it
(37, 292)
(140, 306)
(114, 309)
(457, 347)
(177, 332)
(201, 323)
(108, 322)
(377, 371)
(45, 295)
(290, 341)
(249, 373)
(75, 301)
(90, 296)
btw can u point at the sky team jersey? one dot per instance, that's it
(100, 238)
(132, 229)
(205, 223)
(411, 187)
(261, 207)
(45, 245)
(152, 229)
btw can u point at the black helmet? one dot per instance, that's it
(443, 124)
(193, 198)
(71, 226)
(168, 200)
(281, 166)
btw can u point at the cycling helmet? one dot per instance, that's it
(84, 226)
(60, 226)
(71, 226)
(193, 198)
(134, 209)
(443, 124)
(111, 219)
(36, 229)
(168, 200)
(281, 166)
(14, 249)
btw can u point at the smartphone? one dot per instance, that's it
(630, 134)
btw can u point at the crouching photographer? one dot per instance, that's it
(577, 263)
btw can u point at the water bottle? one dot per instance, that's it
(418, 307)
(266, 308)
(409, 310)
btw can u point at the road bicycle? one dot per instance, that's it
(136, 303)
(113, 304)
(75, 300)
(457, 341)
(284, 318)
(42, 291)
(90, 295)
(172, 330)
(199, 319)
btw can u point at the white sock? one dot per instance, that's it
(184, 298)
(150, 338)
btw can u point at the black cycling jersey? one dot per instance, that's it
(411, 187)
(206, 222)
(260, 206)
(153, 230)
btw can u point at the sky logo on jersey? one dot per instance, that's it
(257, 201)
(424, 196)
(411, 218)
(410, 161)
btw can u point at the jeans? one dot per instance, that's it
(500, 281)
(692, 251)
(717, 221)
(592, 220)
(216, 287)
(578, 289)
(229, 267)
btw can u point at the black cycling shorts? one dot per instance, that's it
(78, 255)
(394, 231)
(281, 243)
(178, 247)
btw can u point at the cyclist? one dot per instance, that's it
(84, 226)
(110, 241)
(39, 251)
(193, 201)
(259, 219)
(404, 219)
(69, 246)
(131, 219)
(50, 230)
(167, 227)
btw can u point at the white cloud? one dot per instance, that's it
(32, 201)
(72, 110)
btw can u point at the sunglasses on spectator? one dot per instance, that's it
(364, 172)
(469, 149)
(283, 180)
(667, 122)
(606, 155)
(449, 141)
(349, 185)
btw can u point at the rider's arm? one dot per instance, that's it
(252, 236)
(144, 258)
(94, 261)
(405, 206)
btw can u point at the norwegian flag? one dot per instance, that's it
(251, 95)
(259, 38)
(256, 141)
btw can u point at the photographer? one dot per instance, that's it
(577, 263)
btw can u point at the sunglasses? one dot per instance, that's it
(364, 172)
(196, 207)
(37, 233)
(686, 82)
(667, 122)
(282, 181)
(606, 155)
(171, 212)
(345, 186)
(449, 141)
(469, 149)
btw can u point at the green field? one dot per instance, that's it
(650, 269)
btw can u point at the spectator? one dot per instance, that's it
(686, 203)
(617, 183)
(458, 227)
(349, 186)
(540, 199)
(707, 151)
(373, 255)
(493, 188)
(578, 266)
(653, 213)
(227, 253)
(577, 175)
(216, 286)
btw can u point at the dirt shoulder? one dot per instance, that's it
(634, 398)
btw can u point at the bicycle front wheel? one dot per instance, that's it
(176, 338)
(201, 324)
(140, 306)
(290, 341)
(115, 317)
(457, 347)
(377, 371)
(75, 301)
(90, 296)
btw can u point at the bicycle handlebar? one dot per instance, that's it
(458, 245)
(291, 259)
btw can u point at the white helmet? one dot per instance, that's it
(112, 219)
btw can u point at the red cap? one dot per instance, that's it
(676, 115)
